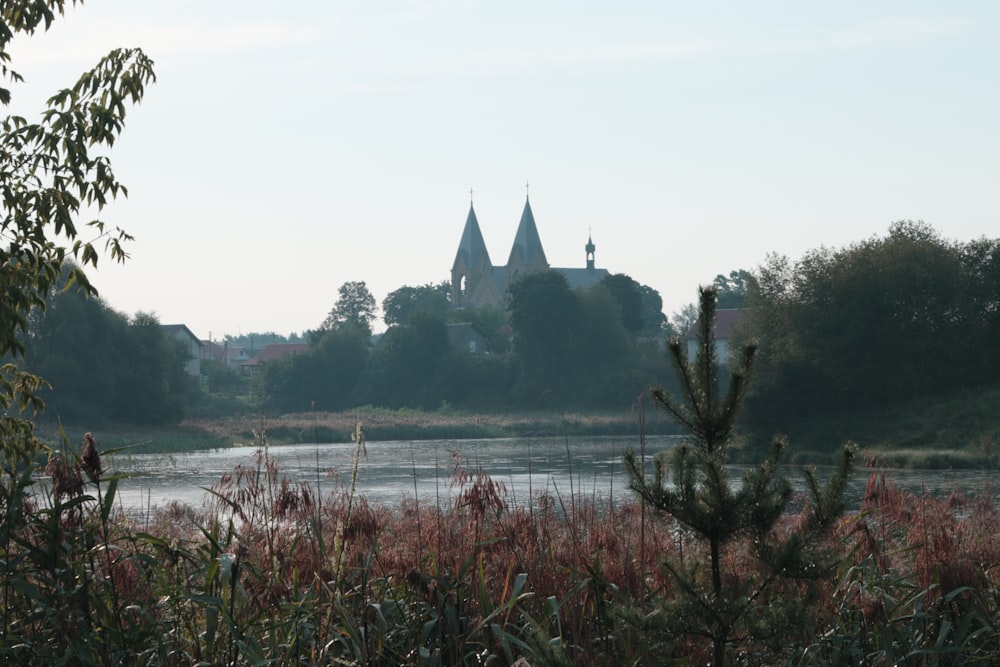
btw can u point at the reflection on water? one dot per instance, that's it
(585, 466)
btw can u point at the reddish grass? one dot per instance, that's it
(584, 553)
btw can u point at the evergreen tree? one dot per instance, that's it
(740, 542)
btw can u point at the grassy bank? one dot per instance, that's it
(957, 430)
(379, 425)
(382, 424)
(961, 430)
(184, 437)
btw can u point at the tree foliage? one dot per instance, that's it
(102, 365)
(731, 290)
(490, 320)
(730, 523)
(405, 368)
(654, 322)
(887, 319)
(324, 377)
(628, 295)
(401, 305)
(52, 172)
(544, 313)
(355, 307)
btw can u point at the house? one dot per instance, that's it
(467, 337)
(475, 281)
(229, 355)
(727, 321)
(272, 352)
(192, 346)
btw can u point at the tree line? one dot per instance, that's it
(102, 365)
(889, 319)
(551, 347)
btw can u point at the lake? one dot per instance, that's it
(586, 466)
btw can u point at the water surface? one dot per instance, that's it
(389, 471)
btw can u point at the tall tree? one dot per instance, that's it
(895, 306)
(727, 581)
(627, 294)
(544, 313)
(324, 377)
(653, 319)
(355, 307)
(404, 370)
(683, 319)
(49, 171)
(602, 352)
(76, 344)
(400, 305)
(731, 290)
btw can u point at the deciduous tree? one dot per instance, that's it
(52, 172)
(355, 307)
(627, 294)
(883, 320)
(400, 305)
(544, 312)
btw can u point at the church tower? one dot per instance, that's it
(476, 282)
(472, 269)
(526, 255)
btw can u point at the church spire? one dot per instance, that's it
(527, 251)
(472, 248)
(590, 248)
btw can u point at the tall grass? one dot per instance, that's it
(275, 572)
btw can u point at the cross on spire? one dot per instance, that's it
(527, 190)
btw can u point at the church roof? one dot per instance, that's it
(583, 278)
(527, 244)
(472, 247)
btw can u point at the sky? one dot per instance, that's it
(287, 148)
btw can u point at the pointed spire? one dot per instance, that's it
(472, 247)
(527, 249)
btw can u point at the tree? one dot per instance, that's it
(492, 321)
(49, 171)
(355, 307)
(727, 581)
(544, 313)
(627, 294)
(404, 370)
(731, 290)
(653, 319)
(602, 352)
(683, 319)
(152, 383)
(324, 377)
(76, 343)
(895, 306)
(400, 305)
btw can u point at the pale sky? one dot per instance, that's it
(290, 147)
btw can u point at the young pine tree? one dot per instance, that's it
(739, 543)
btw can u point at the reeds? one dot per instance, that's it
(276, 573)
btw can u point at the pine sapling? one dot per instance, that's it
(743, 543)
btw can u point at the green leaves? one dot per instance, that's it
(51, 173)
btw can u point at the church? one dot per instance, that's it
(475, 281)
